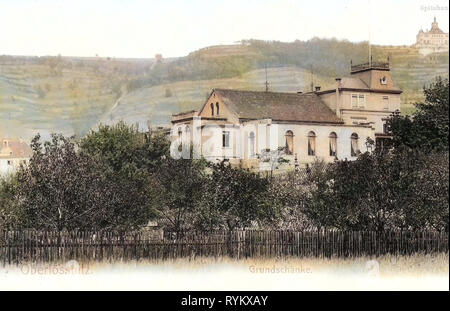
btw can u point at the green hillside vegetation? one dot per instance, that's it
(324, 57)
(157, 103)
(59, 94)
(71, 95)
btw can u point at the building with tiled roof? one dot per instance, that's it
(244, 126)
(13, 154)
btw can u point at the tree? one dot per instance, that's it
(426, 203)
(287, 196)
(65, 189)
(10, 212)
(233, 198)
(429, 126)
(405, 189)
(274, 158)
(179, 184)
(125, 149)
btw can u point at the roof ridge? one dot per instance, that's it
(277, 105)
(365, 82)
(269, 92)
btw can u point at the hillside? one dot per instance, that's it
(59, 94)
(157, 103)
(411, 71)
(71, 95)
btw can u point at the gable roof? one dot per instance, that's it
(306, 107)
(359, 84)
(353, 83)
(367, 80)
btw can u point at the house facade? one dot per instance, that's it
(433, 40)
(13, 154)
(368, 96)
(248, 127)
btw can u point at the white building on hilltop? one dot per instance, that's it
(338, 123)
(434, 40)
(13, 153)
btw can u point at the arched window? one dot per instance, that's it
(311, 143)
(354, 145)
(180, 132)
(217, 108)
(289, 147)
(212, 109)
(333, 144)
(188, 132)
(251, 145)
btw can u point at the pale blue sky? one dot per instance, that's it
(138, 28)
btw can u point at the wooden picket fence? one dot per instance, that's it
(46, 246)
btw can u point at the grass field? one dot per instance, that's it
(417, 272)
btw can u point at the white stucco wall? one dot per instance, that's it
(11, 165)
(271, 135)
(300, 140)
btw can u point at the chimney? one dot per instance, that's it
(317, 88)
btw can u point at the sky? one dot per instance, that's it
(142, 28)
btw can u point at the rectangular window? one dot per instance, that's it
(386, 102)
(354, 101)
(362, 101)
(225, 139)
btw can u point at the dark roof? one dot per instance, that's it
(306, 107)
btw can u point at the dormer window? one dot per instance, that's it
(383, 80)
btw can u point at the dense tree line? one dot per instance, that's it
(118, 178)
